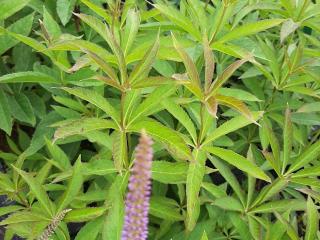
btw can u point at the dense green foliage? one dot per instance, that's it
(228, 89)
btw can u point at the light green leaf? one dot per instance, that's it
(114, 220)
(130, 30)
(287, 28)
(151, 101)
(22, 26)
(281, 206)
(226, 74)
(307, 156)
(165, 208)
(215, 191)
(50, 24)
(95, 99)
(238, 94)
(310, 107)
(235, 104)
(120, 150)
(142, 69)
(91, 230)
(180, 114)
(270, 190)
(312, 220)
(188, 63)
(28, 77)
(239, 162)
(21, 108)
(230, 126)
(165, 135)
(229, 203)
(65, 9)
(168, 172)
(10, 7)
(84, 214)
(225, 171)
(274, 143)
(73, 188)
(37, 189)
(287, 139)
(9, 209)
(249, 29)
(179, 19)
(5, 116)
(195, 175)
(82, 126)
(58, 155)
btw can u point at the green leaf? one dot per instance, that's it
(289, 228)
(91, 230)
(73, 188)
(104, 66)
(9, 209)
(304, 158)
(42, 131)
(21, 108)
(230, 126)
(204, 236)
(195, 175)
(274, 143)
(152, 100)
(10, 7)
(165, 135)
(65, 9)
(287, 28)
(37, 190)
(50, 25)
(239, 162)
(142, 69)
(189, 65)
(312, 220)
(235, 104)
(114, 220)
(238, 94)
(229, 203)
(281, 206)
(84, 214)
(209, 63)
(130, 30)
(168, 172)
(225, 171)
(24, 217)
(120, 150)
(58, 155)
(215, 191)
(270, 190)
(310, 107)
(22, 26)
(98, 10)
(287, 139)
(109, 37)
(307, 172)
(179, 19)
(95, 99)
(165, 208)
(226, 74)
(28, 77)
(180, 114)
(249, 29)
(5, 116)
(82, 126)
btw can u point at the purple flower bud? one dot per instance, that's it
(137, 202)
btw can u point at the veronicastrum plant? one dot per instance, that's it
(228, 90)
